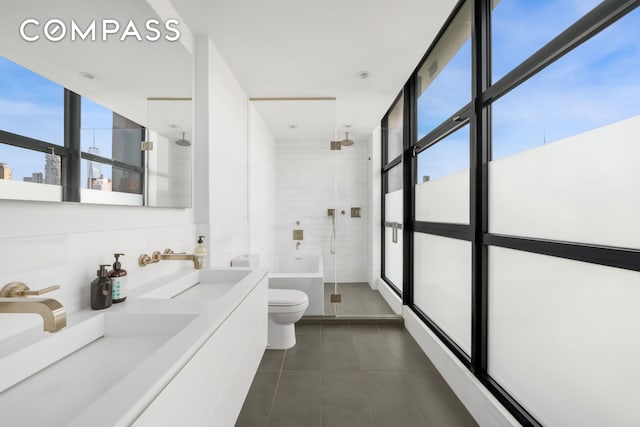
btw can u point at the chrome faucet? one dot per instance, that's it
(168, 255)
(297, 245)
(13, 299)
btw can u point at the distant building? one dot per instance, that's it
(94, 169)
(100, 183)
(5, 171)
(36, 177)
(52, 168)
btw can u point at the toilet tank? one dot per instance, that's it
(251, 260)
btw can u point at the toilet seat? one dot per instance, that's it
(287, 298)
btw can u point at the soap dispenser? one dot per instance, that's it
(200, 251)
(101, 289)
(119, 280)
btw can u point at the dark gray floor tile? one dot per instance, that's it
(405, 350)
(437, 402)
(378, 306)
(298, 401)
(372, 350)
(306, 355)
(391, 401)
(257, 405)
(339, 353)
(336, 330)
(344, 401)
(271, 361)
(308, 329)
(356, 307)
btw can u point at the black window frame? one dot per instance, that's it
(477, 114)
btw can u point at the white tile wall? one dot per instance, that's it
(45, 244)
(310, 179)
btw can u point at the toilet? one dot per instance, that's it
(286, 306)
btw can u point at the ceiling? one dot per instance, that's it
(275, 48)
(293, 48)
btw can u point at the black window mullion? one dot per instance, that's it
(479, 143)
(409, 135)
(27, 143)
(392, 164)
(71, 163)
(449, 126)
(111, 162)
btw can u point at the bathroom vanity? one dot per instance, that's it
(180, 351)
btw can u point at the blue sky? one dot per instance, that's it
(592, 86)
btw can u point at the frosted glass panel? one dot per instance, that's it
(442, 188)
(581, 189)
(393, 207)
(393, 257)
(563, 338)
(442, 284)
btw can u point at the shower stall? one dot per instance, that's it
(322, 168)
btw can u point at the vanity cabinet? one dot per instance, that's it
(210, 389)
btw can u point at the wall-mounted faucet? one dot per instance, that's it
(13, 299)
(168, 255)
(297, 245)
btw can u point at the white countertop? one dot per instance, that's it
(154, 361)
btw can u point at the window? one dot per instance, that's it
(514, 38)
(525, 214)
(444, 79)
(442, 187)
(392, 213)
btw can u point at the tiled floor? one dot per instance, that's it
(358, 299)
(351, 376)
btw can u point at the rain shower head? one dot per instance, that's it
(346, 142)
(183, 142)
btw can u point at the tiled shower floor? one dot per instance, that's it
(351, 376)
(358, 299)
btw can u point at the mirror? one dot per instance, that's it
(168, 153)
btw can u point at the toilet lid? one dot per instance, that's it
(287, 297)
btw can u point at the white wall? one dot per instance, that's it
(222, 177)
(311, 178)
(228, 162)
(45, 244)
(262, 190)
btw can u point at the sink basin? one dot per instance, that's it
(48, 382)
(212, 284)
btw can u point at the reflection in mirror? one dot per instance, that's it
(168, 157)
(111, 168)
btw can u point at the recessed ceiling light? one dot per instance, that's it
(293, 126)
(87, 75)
(363, 75)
